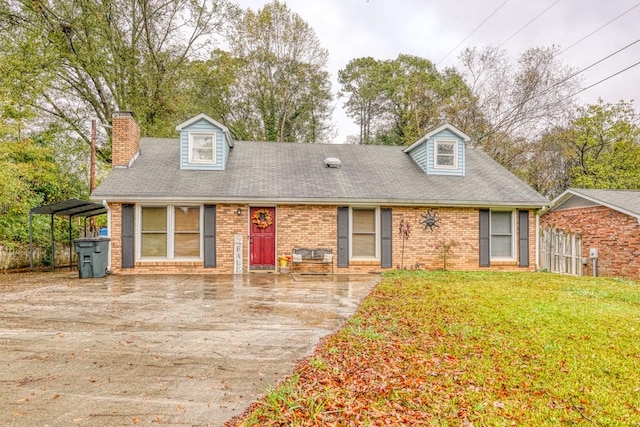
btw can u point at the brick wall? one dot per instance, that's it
(308, 226)
(316, 226)
(614, 234)
(459, 229)
(228, 224)
(125, 138)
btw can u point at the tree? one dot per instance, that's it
(29, 177)
(397, 101)
(362, 83)
(283, 85)
(415, 93)
(22, 79)
(98, 56)
(598, 148)
(549, 162)
(518, 101)
(605, 150)
(212, 88)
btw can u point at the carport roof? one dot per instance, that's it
(71, 208)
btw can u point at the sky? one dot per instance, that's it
(587, 30)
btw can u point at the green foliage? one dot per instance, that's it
(29, 177)
(604, 147)
(362, 81)
(212, 87)
(91, 57)
(395, 102)
(598, 148)
(272, 84)
(22, 77)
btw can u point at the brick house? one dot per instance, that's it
(607, 221)
(204, 203)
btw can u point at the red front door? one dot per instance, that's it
(262, 242)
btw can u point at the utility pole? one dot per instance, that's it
(92, 172)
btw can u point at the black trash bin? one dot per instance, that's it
(93, 256)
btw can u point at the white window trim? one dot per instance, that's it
(454, 142)
(376, 228)
(170, 233)
(214, 147)
(513, 237)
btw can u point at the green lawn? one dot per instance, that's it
(473, 349)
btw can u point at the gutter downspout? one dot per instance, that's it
(106, 205)
(537, 241)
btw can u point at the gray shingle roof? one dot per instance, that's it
(283, 172)
(626, 201)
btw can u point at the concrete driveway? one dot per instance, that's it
(162, 350)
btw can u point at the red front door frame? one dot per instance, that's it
(262, 238)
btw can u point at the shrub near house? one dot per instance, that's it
(186, 205)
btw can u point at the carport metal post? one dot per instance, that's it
(70, 208)
(53, 243)
(30, 241)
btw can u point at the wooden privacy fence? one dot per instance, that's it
(560, 252)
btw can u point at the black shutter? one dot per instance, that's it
(209, 233)
(386, 238)
(485, 248)
(523, 233)
(343, 237)
(127, 235)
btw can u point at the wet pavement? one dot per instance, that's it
(189, 350)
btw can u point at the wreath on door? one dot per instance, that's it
(262, 218)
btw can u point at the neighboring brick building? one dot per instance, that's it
(605, 220)
(204, 203)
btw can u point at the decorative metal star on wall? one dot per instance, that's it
(430, 220)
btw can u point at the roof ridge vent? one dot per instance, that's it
(332, 162)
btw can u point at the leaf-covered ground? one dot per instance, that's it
(472, 349)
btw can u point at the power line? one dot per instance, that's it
(528, 23)
(521, 103)
(598, 29)
(475, 29)
(603, 80)
(585, 69)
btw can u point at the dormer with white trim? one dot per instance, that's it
(441, 151)
(205, 144)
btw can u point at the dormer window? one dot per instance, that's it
(202, 148)
(441, 151)
(446, 154)
(204, 144)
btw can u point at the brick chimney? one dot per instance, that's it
(125, 139)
